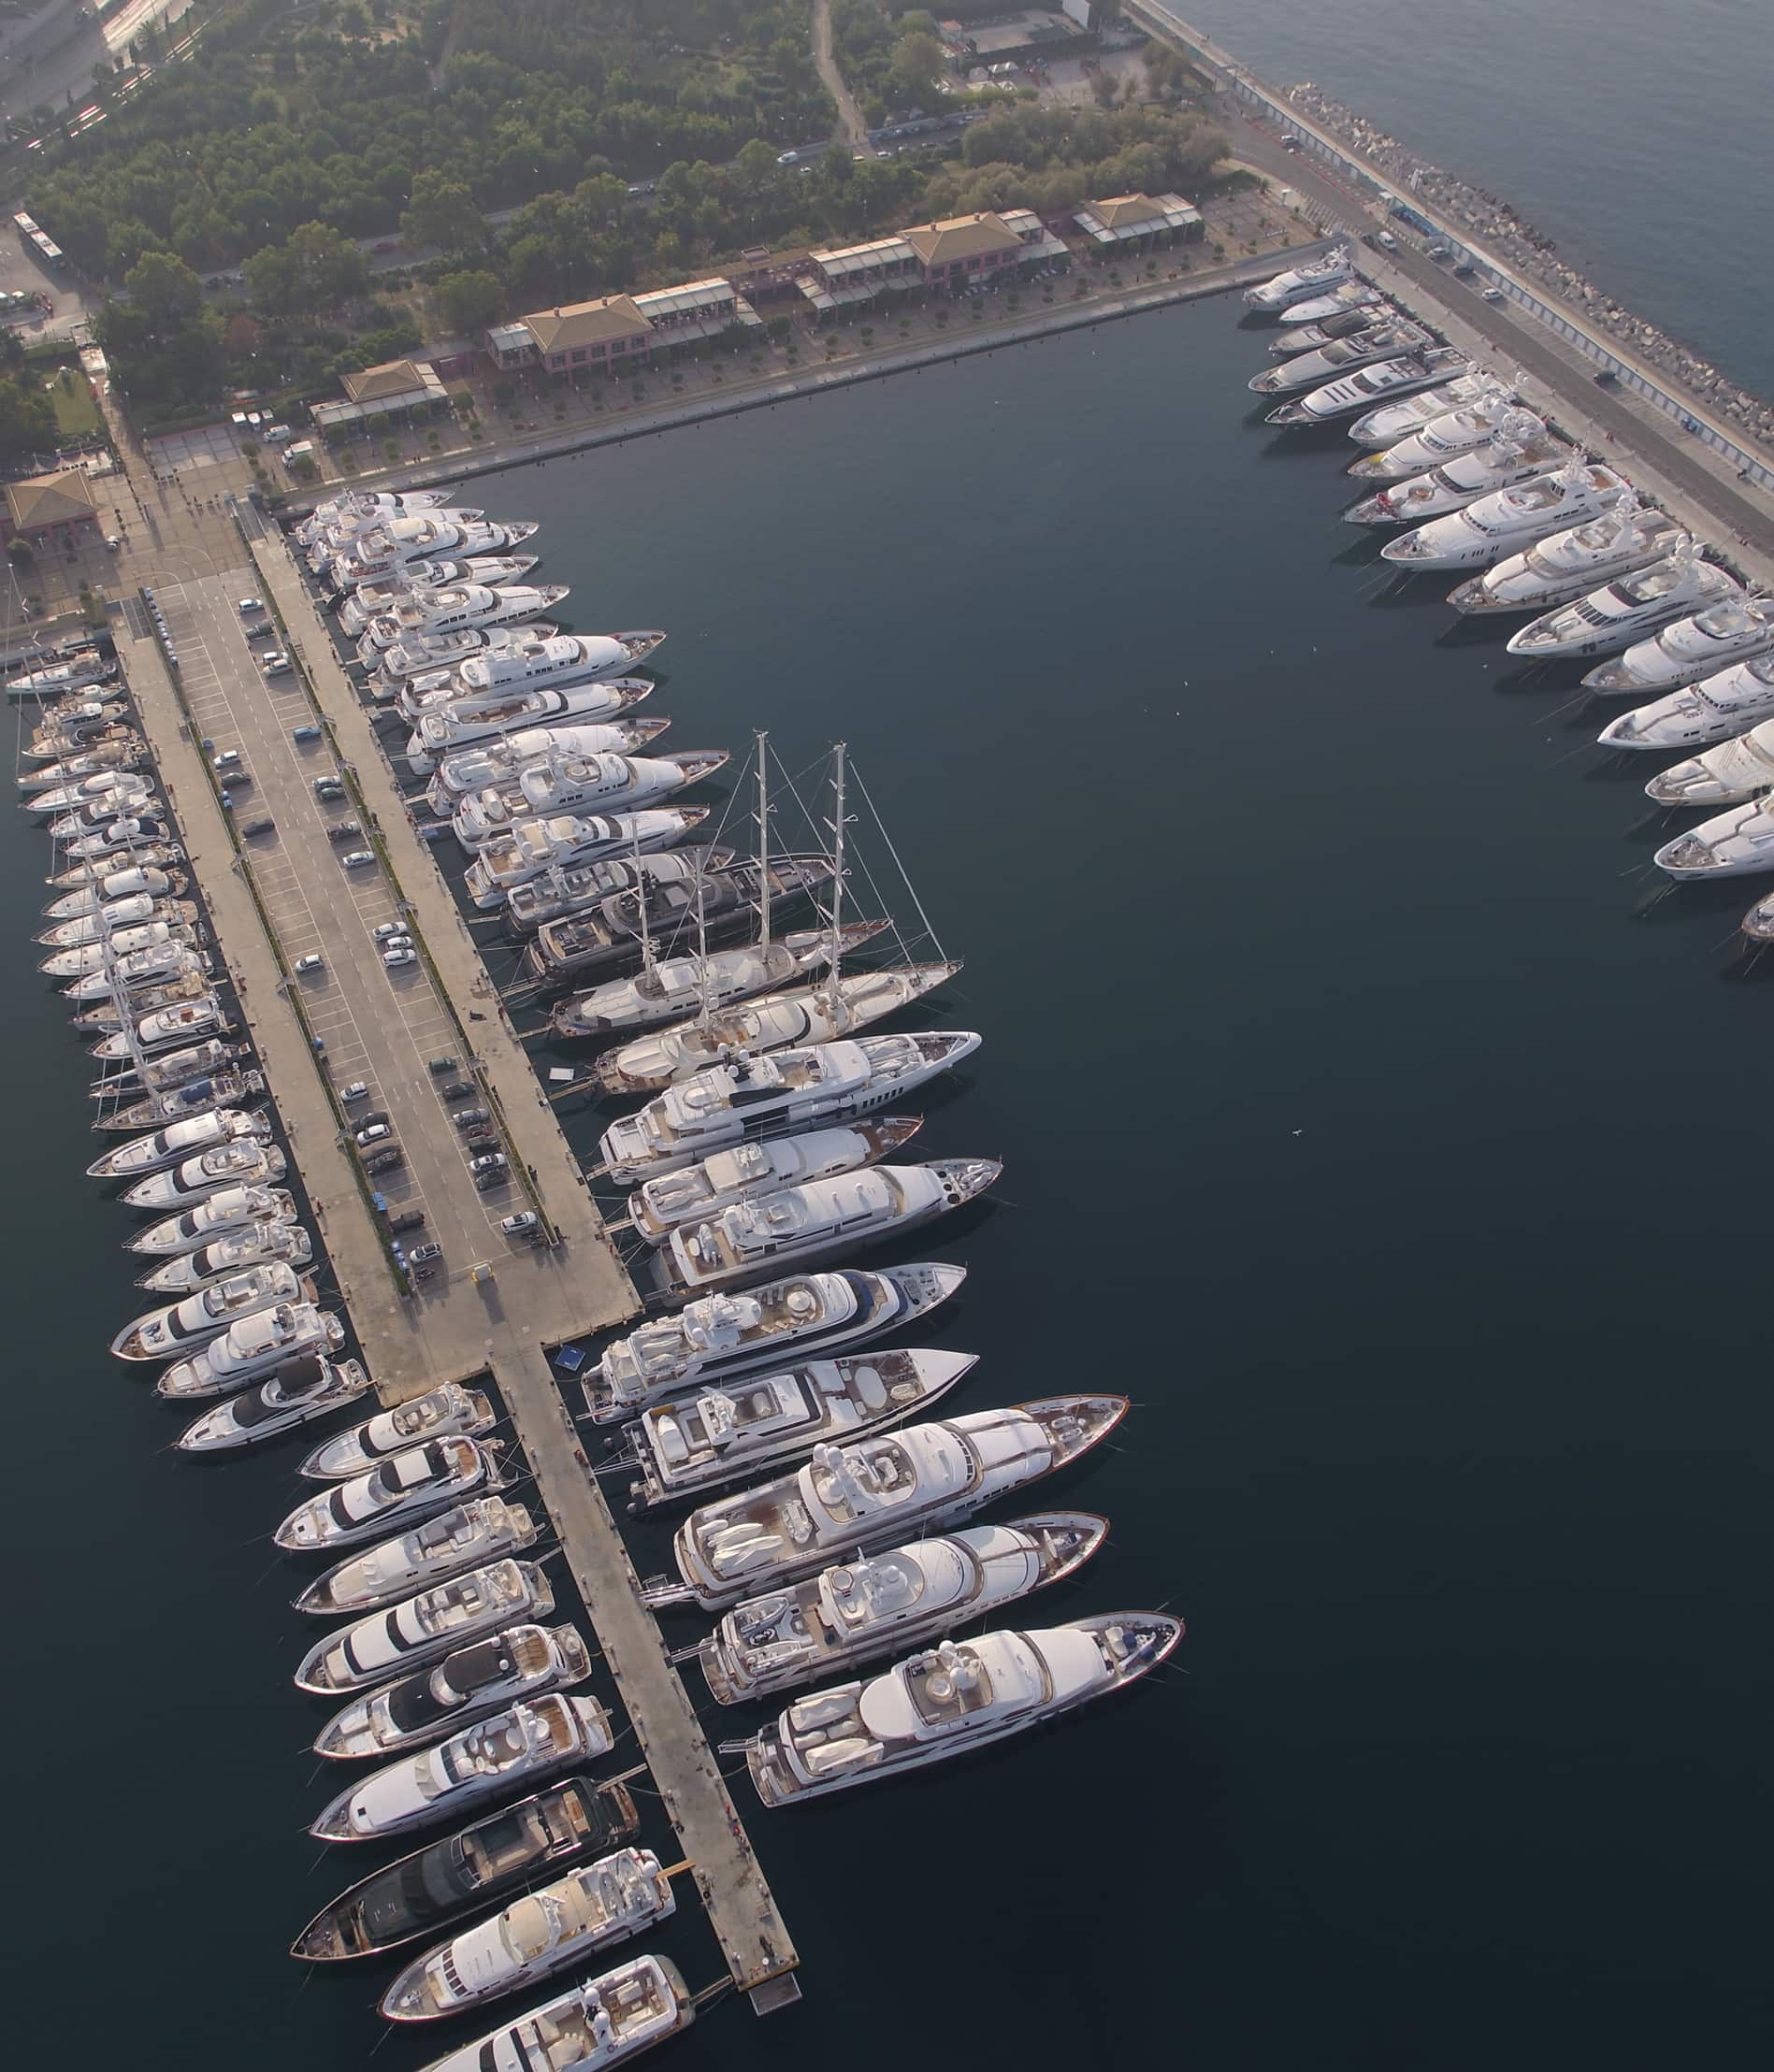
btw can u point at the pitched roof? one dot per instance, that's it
(1125, 208)
(612, 316)
(375, 385)
(49, 501)
(961, 237)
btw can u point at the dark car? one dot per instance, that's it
(265, 824)
(466, 1118)
(386, 1159)
(457, 1090)
(436, 1065)
(408, 1219)
(344, 830)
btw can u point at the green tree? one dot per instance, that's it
(468, 302)
(918, 61)
(27, 420)
(164, 287)
(440, 212)
(315, 268)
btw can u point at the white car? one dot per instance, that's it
(395, 958)
(313, 961)
(359, 859)
(390, 931)
(274, 662)
(374, 1132)
(519, 1225)
(357, 1090)
(249, 607)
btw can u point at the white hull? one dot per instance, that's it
(1740, 768)
(1732, 844)
(1699, 713)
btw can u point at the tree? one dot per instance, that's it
(469, 301)
(164, 287)
(27, 420)
(918, 61)
(441, 212)
(315, 268)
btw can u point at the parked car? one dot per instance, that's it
(372, 1132)
(357, 1090)
(228, 762)
(489, 1162)
(401, 954)
(372, 1115)
(436, 1065)
(466, 1118)
(386, 1159)
(521, 1225)
(313, 961)
(408, 1219)
(264, 824)
(423, 1255)
(458, 1089)
(344, 830)
(274, 662)
(359, 859)
(389, 931)
(329, 787)
(308, 733)
(250, 608)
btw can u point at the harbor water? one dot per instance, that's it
(1357, 1125)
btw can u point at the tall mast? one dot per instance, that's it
(763, 841)
(837, 858)
(640, 897)
(702, 947)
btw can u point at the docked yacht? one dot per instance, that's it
(55, 679)
(114, 886)
(534, 1936)
(1522, 450)
(264, 1243)
(1306, 335)
(1712, 709)
(356, 608)
(224, 1089)
(486, 1675)
(1758, 922)
(166, 1027)
(1729, 845)
(249, 1348)
(1625, 609)
(1511, 519)
(1740, 768)
(180, 1141)
(1699, 646)
(1302, 284)
(877, 1492)
(533, 848)
(102, 793)
(225, 1167)
(1361, 389)
(1566, 565)
(797, 1224)
(541, 665)
(474, 719)
(420, 1630)
(589, 2028)
(182, 1326)
(448, 1411)
(177, 1067)
(86, 875)
(140, 910)
(129, 794)
(433, 659)
(520, 1746)
(959, 1696)
(403, 1489)
(564, 890)
(501, 1854)
(1363, 347)
(504, 760)
(576, 782)
(674, 989)
(691, 1193)
(122, 752)
(233, 1209)
(137, 957)
(1441, 440)
(461, 1538)
(1353, 295)
(298, 1393)
(824, 1012)
(96, 715)
(364, 506)
(1405, 414)
(853, 1614)
(717, 1338)
(118, 839)
(190, 982)
(387, 549)
(454, 608)
(687, 1447)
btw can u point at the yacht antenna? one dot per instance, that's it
(763, 841)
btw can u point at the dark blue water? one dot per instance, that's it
(1635, 135)
(1354, 1125)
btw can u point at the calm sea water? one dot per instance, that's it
(1355, 1126)
(1635, 135)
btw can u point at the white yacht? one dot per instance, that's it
(160, 948)
(532, 849)
(356, 608)
(1622, 612)
(419, 1629)
(57, 678)
(125, 753)
(475, 720)
(126, 793)
(1441, 440)
(118, 838)
(233, 1209)
(177, 1067)
(1353, 295)
(104, 793)
(1308, 333)
(1523, 448)
(589, 2028)
(1758, 922)
(459, 1538)
(1712, 709)
(748, 1241)
(561, 1924)
(1360, 348)
(298, 1393)
(1398, 419)
(1729, 845)
(579, 783)
(389, 548)
(1362, 389)
(691, 1193)
(223, 1089)
(824, 1012)
(520, 1746)
(182, 1326)
(166, 1027)
(157, 857)
(180, 1141)
(249, 1348)
(875, 1493)
(404, 1487)
(114, 886)
(433, 659)
(1300, 284)
(778, 1096)
(507, 756)
(191, 982)
(138, 910)
(224, 1167)
(861, 1610)
(1740, 768)
(1567, 564)
(486, 1675)
(1511, 520)
(717, 1338)
(261, 1244)
(448, 1411)
(563, 891)
(676, 988)
(366, 506)
(1698, 646)
(454, 608)
(959, 1696)
(532, 665)
(689, 1446)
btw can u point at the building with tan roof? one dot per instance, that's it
(1127, 221)
(617, 329)
(397, 388)
(49, 506)
(954, 256)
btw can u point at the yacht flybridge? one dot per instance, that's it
(263, 1244)
(856, 1613)
(1299, 284)
(1712, 709)
(506, 758)
(1523, 449)
(717, 1338)
(231, 1208)
(877, 1492)
(588, 2028)
(579, 782)
(356, 608)
(422, 1628)
(404, 1487)
(1734, 630)
(485, 1676)
(1362, 390)
(534, 848)
(564, 890)
(1567, 563)
(788, 1091)
(461, 1538)
(455, 608)
(1360, 348)
(448, 1411)
(1405, 414)
(297, 1392)
(690, 1194)
(474, 719)
(1729, 845)
(1441, 440)
(249, 1348)
(365, 506)
(433, 659)
(245, 1164)
(182, 1326)
(113, 885)
(1308, 334)
(180, 1141)
(1624, 609)
(389, 548)
(1511, 519)
(1740, 768)
(959, 1696)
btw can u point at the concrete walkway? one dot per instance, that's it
(852, 130)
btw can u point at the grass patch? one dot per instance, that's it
(76, 413)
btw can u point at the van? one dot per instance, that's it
(295, 455)
(278, 435)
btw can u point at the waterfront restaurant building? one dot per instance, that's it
(952, 257)
(47, 508)
(1131, 223)
(619, 330)
(397, 388)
